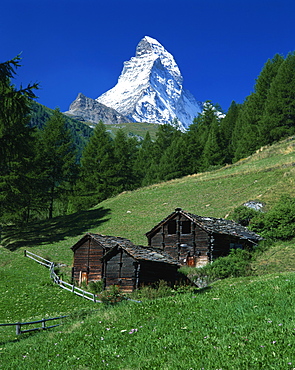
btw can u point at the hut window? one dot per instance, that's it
(172, 227)
(235, 246)
(186, 227)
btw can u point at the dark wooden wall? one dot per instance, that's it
(152, 272)
(120, 270)
(123, 270)
(87, 259)
(183, 240)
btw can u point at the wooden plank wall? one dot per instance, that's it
(153, 272)
(120, 270)
(195, 244)
(87, 260)
(80, 260)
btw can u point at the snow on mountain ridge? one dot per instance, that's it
(150, 89)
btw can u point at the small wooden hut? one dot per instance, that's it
(132, 266)
(88, 254)
(194, 240)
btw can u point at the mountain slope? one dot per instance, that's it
(87, 109)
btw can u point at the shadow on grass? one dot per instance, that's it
(53, 230)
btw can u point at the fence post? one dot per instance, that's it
(43, 324)
(18, 328)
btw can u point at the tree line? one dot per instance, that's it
(44, 171)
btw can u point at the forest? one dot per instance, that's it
(51, 165)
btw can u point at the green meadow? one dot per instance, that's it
(240, 323)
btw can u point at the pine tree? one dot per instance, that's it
(212, 152)
(57, 160)
(125, 150)
(279, 114)
(249, 132)
(227, 127)
(144, 161)
(97, 170)
(16, 143)
(173, 163)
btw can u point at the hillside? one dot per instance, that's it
(264, 176)
(255, 333)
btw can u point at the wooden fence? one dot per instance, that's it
(57, 280)
(18, 325)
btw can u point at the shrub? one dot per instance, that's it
(159, 290)
(243, 215)
(237, 263)
(278, 222)
(95, 286)
(112, 296)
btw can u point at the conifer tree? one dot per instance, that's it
(57, 159)
(173, 163)
(144, 160)
(249, 132)
(125, 150)
(16, 143)
(212, 152)
(97, 170)
(227, 127)
(279, 114)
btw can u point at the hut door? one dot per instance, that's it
(190, 261)
(83, 277)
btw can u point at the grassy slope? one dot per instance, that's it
(26, 291)
(138, 129)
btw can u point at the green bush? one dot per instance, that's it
(243, 215)
(237, 263)
(278, 222)
(95, 286)
(112, 296)
(159, 290)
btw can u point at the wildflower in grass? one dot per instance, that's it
(133, 331)
(280, 324)
(122, 331)
(101, 338)
(274, 341)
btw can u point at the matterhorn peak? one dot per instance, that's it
(150, 88)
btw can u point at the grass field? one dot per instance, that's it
(243, 323)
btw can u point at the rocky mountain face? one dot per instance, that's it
(87, 109)
(149, 89)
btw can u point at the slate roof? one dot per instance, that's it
(140, 253)
(213, 226)
(106, 241)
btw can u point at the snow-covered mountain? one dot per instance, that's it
(150, 88)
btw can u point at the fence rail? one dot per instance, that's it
(18, 325)
(57, 280)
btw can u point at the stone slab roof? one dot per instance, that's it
(214, 225)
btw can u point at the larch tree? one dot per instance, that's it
(279, 114)
(57, 160)
(16, 144)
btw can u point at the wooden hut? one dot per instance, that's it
(194, 240)
(88, 253)
(132, 266)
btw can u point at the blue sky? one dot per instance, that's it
(72, 46)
